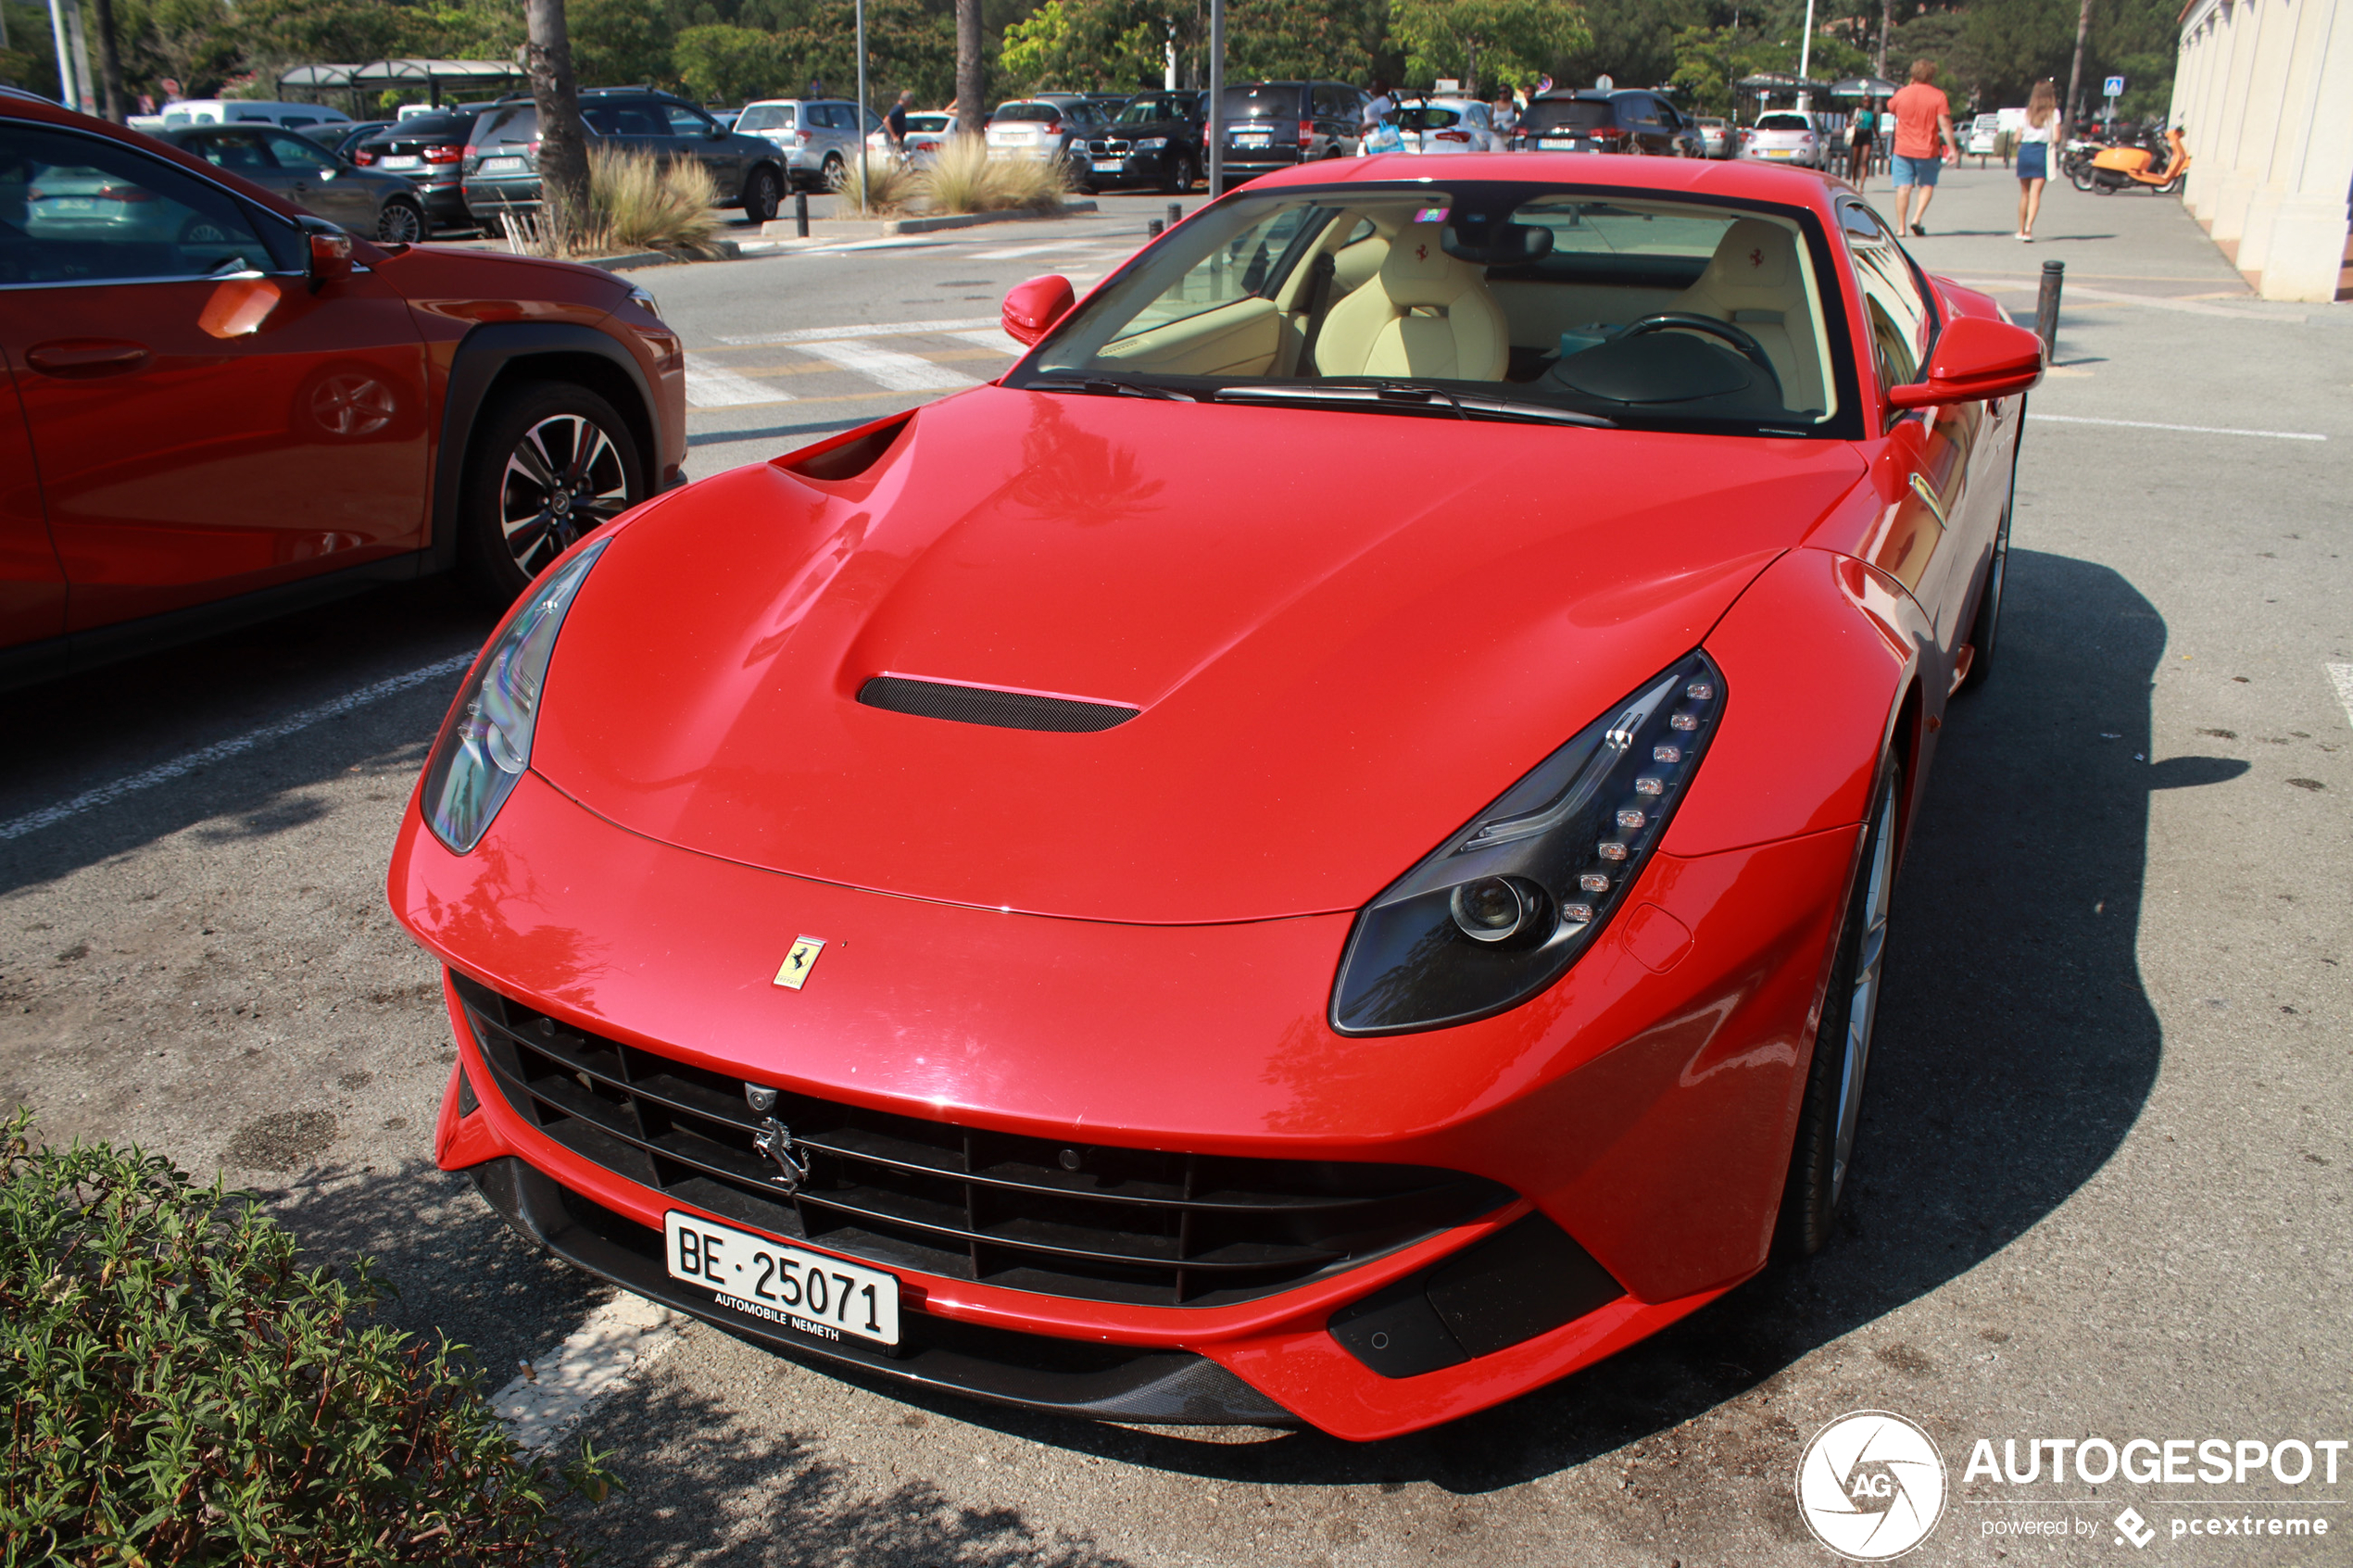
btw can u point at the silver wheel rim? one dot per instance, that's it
(564, 477)
(1862, 1004)
(400, 225)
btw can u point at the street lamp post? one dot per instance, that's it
(1217, 98)
(864, 168)
(1805, 60)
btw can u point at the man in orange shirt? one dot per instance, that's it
(1923, 116)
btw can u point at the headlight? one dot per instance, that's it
(644, 302)
(485, 743)
(1152, 143)
(1502, 909)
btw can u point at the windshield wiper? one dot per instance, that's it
(1103, 387)
(1416, 395)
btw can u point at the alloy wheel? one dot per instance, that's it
(1863, 1004)
(400, 224)
(564, 477)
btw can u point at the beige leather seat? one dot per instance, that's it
(1423, 313)
(1754, 282)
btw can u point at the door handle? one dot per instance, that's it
(86, 358)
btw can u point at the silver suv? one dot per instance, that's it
(1050, 128)
(817, 136)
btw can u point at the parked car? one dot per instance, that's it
(1271, 125)
(1154, 140)
(340, 138)
(1048, 128)
(367, 202)
(223, 407)
(1436, 125)
(430, 150)
(1544, 866)
(249, 111)
(1985, 136)
(1590, 120)
(1785, 136)
(816, 137)
(501, 170)
(1715, 135)
(928, 130)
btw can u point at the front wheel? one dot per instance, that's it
(1181, 176)
(1827, 1118)
(402, 222)
(2080, 177)
(762, 195)
(552, 463)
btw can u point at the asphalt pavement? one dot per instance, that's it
(2104, 1168)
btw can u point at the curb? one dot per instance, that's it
(840, 229)
(729, 250)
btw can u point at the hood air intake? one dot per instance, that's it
(980, 704)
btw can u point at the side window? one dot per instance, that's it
(298, 152)
(243, 151)
(75, 209)
(1900, 322)
(685, 122)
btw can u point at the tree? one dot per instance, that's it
(1083, 46)
(620, 42)
(724, 64)
(972, 68)
(563, 141)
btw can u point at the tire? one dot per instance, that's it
(1823, 1157)
(510, 521)
(762, 195)
(400, 222)
(2080, 177)
(831, 173)
(1985, 628)
(1182, 176)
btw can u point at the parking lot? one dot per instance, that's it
(2104, 1169)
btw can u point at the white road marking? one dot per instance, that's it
(877, 329)
(2342, 674)
(887, 366)
(2194, 430)
(1009, 252)
(713, 386)
(611, 1345)
(997, 338)
(179, 768)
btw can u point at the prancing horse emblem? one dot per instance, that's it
(775, 1140)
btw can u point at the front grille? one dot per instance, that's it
(1109, 149)
(1090, 1221)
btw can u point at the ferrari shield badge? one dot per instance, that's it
(793, 974)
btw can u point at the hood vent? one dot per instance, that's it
(984, 705)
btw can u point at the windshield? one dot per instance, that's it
(1496, 300)
(1266, 101)
(1028, 114)
(1783, 122)
(1144, 111)
(766, 117)
(1423, 119)
(1567, 114)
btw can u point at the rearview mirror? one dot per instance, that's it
(1975, 358)
(327, 256)
(1032, 309)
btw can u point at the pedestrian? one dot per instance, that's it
(1861, 132)
(1504, 116)
(2034, 139)
(895, 122)
(1923, 117)
(1381, 104)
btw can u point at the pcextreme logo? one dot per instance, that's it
(1871, 1485)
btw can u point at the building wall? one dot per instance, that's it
(2264, 95)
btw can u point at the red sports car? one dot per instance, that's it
(1317, 853)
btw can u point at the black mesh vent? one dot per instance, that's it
(1088, 1221)
(978, 704)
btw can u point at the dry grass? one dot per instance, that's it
(964, 177)
(884, 183)
(640, 202)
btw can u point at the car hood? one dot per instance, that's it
(1345, 633)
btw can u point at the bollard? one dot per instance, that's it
(1152, 229)
(800, 213)
(2046, 307)
(1176, 213)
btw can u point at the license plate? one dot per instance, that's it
(400, 160)
(501, 166)
(1255, 139)
(1777, 152)
(816, 1293)
(1111, 166)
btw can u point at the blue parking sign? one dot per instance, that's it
(2115, 87)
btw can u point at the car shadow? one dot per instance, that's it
(2016, 1048)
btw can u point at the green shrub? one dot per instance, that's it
(179, 1392)
(888, 183)
(964, 177)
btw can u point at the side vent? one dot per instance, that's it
(848, 455)
(983, 705)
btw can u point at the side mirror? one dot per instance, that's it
(1032, 309)
(1974, 359)
(328, 257)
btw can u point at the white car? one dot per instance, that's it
(1784, 136)
(927, 133)
(818, 136)
(1985, 136)
(1715, 135)
(249, 111)
(1435, 125)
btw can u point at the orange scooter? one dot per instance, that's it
(2123, 169)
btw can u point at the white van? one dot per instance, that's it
(250, 111)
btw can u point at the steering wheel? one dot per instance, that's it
(1749, 349)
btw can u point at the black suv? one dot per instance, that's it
(502, 161)
(1155, 139)
(1271, 125)
(1592, 121)
(430, 149)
